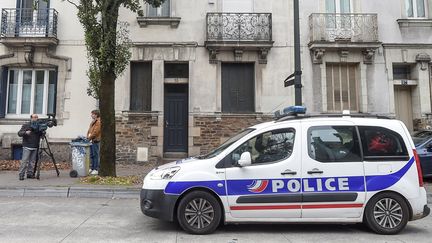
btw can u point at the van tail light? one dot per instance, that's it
(419, 171)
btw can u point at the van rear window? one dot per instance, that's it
(382, 144)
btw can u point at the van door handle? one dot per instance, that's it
(289, 172)
(315, 171)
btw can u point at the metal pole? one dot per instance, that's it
(297, 61)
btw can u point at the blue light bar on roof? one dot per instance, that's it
(290, 111)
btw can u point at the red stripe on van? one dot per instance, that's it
(311, 206)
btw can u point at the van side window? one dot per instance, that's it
(382, 144)
(271, 146)
(334, 144)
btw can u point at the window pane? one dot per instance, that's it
(26, 92)
(334, 144)
(378, 141)
(51, 91)
(176, 70)
(409, 8)
(39, 90)
(401, 72)
(345, 6)
(267, 147)
(13, 92)
(330, 6)
(420, 8)
(165, 9)
(161, 11)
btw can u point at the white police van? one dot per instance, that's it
(301, 168)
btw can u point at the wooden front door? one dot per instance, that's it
(403, 105)
(176, 118)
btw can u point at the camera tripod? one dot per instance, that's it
(40, 150)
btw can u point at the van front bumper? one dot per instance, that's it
(157, 204)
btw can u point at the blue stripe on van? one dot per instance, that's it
(244, 187)
(381, 182)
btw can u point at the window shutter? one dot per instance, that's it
(53, 79)
(3, 91)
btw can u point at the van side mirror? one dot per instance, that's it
(245, 159)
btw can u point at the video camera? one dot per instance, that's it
(41, 125)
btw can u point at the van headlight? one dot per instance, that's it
(164, 174)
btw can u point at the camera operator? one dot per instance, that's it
(30, 144)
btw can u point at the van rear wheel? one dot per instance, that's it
(386, 213)
(199, 213)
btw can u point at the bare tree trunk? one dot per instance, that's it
(108, 143)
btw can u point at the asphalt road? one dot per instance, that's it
(110, 220)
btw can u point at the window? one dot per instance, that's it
(237, 6)
(31, 91)
(338, 6)
(401, 72)
(342, 87)
(32, 17)
(162, 11)
(176, 70)
(334, 144)
(141, 86)
(238, 88)
(267, 147)
(382, 144)
(415, 8)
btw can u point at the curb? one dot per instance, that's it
(71, 192)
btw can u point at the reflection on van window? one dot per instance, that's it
(225, 145)
(267, 147)
(334, 144)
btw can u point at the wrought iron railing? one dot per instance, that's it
(348, 27)
(28, 22)
(239, 27)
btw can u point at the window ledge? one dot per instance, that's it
(13, 121)
(414, 23)
(145, 21)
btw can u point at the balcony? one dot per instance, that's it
(343, 30)
(21, 26)
(239, 32)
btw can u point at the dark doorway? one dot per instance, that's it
(176, 118)
(238, 88)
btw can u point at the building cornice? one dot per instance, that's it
(165, 44)
(408, 45)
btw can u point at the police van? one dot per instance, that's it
(339, 168)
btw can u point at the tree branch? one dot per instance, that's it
(69, 1)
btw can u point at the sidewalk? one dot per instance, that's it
(49, 185)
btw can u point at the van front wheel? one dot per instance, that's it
(199, 213)
(386, 213)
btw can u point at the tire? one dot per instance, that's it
(199, 213)
(386, 213)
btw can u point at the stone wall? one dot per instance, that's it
(61, 152)
(133, 131)
(423, 123)
(217, 129)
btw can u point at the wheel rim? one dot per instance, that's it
(199, 213)
(388, 213)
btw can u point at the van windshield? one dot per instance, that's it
(226, 144)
